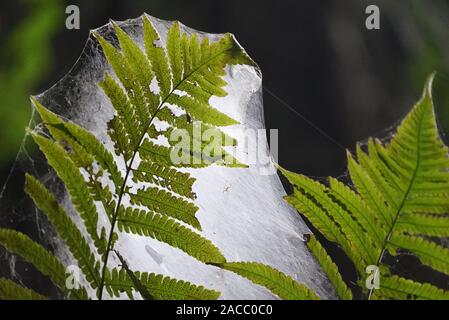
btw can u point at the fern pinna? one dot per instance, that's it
(145, 86)
(398, 203)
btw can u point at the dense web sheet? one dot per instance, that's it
(241, 210)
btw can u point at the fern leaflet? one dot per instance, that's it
(41, 258)
(280, 284)
(399, 202)
(9, 290)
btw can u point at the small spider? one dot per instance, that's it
(227, 188)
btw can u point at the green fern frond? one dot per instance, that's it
(126, 122)
(65, 228)
(84, 149)
(174, 52)
(424, 225)
(165, 203)
(20, 244)
(160, 287)
(158, 154)
(69, 173)
(142, 87)
(169, 231)
(9, 290)
(323, 221)
(55, 126)
(404, 289)
(427, 251)
(175, 181)
(201, 111)
(159, 61)
(279, 283)
(210, 142)
(400, 198)
(329, 268)
(141, 71)
(356, 238)
(74, 134)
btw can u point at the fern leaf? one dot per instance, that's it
(205, 64)
(156, 55)
(9, 290)
(375, 151)
(340, 228)
(280, 284)
(196, 91)
(59, 160)
(124, 68)
(20, 244)
(423, 224)
(174, 51)
(387, 191)
(142, 87)
(203, 138)
(117, 132)
(87, 149)
(65, 228)
(195, 51)
(185, 42)
(178, 182)
(126, 116)
(201, 111)
(369, 191)
(165, 203)
(54, 125)
(357, 208)
(160, 287)
(138, 285)
(404, 289)
(156, 153)
(169, 231)
(316, 215)
(428, 252)
(400, 195)
(83, 149)
(145, 100)
(68, 130)
(329, 268)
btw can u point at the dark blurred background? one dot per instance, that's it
(316, 56)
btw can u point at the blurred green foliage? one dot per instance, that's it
(431, 46)
(25, 60)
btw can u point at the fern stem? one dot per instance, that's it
(110, 246)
